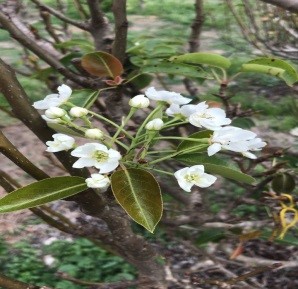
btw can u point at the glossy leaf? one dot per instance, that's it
(83, 97)
(177, 69)
(199, 58)
(102, 64)
(138, 193)
(214, 165)
(42, 192)
(186, 144)
(272, 66)
(141, 81)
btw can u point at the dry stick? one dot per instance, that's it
(9, 283)
(61, 16)
(17, 34)
(121, 27)
(98, 25)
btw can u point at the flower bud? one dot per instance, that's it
(78, 111)
(155, 124)
(94, 133)
(139, 101)
(55, 112)
(98, 181)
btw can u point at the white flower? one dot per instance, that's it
(234, 139)
(62, 142)
(94, 133)
(54, 112)
(155, 124)
(54, 100)
(78, 111)
(139, 101)
(255, 144)
(194, 175)
(96, 155)
(210, 118)
(98, 181)
(167, 96)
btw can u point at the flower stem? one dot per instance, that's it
(125, 121)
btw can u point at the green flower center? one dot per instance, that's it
(100, 156)
(192, 178)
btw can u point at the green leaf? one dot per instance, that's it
(141, 81)
(177, 69)
(186, 144)
(138, 193)
(199, 58)
(215, 166)
(42, 192)
(83, 97)
(102, 64)
(283, 183)
(272, 66)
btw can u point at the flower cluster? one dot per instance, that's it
(171, 110)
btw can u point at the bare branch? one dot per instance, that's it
(196, 27)
(22, 38)
(98, 26)
(61, 16)
(290, 5)
(121, 26)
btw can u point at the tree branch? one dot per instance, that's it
(61, 16)
(121, 26)
(98, 26)
(16, 33)
(290, 5)
(196, 27)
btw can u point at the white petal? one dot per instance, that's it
(213, 149)
(186, 186)
(84, 162)
(64, 91)
(197, 169)
(206, 180)
(106, 167)
(85, 150)
(113, 154)
(249, 155)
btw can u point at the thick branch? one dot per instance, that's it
(9, 283)
(290, 5)
(16, 33)
(61, 16)
(121, 26)
(98, 25)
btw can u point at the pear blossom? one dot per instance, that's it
(139, 101)
(96, 155)
(94, 133)
(195, 175)
(155, 124)
(98, 181)
(185, 110)
(62, 142)
(167, 96)
(54, 112)
(78, 111)
(210, 118)
(255, 144)
(234, 139)
(54, 100)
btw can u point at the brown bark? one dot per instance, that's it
(196, 27)
(121, 26)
